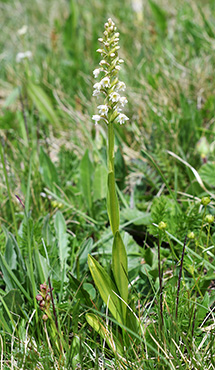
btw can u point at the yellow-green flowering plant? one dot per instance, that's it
(113, 292)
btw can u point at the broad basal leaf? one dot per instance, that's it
(106, 288)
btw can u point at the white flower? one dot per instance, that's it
(120, 86)
(122, 118)
(103, 62)
(114, 97)
(123, 101)
(22, 31)
(100, 51)
(105, 82)
(96, 92)
(20, 56)
(96, 72)
(96, 118)
(103, 109)
(97, 86)
(118, 68)
(112, 55)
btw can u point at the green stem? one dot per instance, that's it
(110, 147)
(113, 206)
(8, 190)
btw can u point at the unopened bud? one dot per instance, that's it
(45, 317)
(209, 219)
(191, 235)
(48, 298)
(205, 201)
(162, 225)
(39, 298)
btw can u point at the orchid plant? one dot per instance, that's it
(114, 292)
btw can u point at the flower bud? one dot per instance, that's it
(45, 317)
(48, 298)
(43, 287)
(205, 201)
(42, 303)
(39, 298)
(191, 235)
(162, 225)
(209, 219)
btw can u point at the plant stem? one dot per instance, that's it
(111, 148)
(112, 203)
(179, 278)
(8, 190)
(160, 284)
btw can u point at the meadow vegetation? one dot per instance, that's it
(107, 261)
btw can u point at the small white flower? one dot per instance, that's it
(22, 31)
(100, 39)
(117, 34)
(122, 118)
(120, 86)
(97, 86)
(105, 82)
(96, 92)
(123, 101)
(118, 68)
(96, 72)
(100, 51)
(20, 56)
(103, 62)
(121, 61)
(114, 97)
(112, 55)
(96, 118)
(103, 109)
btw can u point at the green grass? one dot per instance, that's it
(54, 160)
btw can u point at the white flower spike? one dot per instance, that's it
(109, 86)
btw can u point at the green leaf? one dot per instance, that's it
(100, 327)
(120, 269)
(140, 218)
(43, 103)
(100, 182)
(48, 171)
(112, 204)
(90, 290)
(86, 170)
(62, 237)
(79, 290)
(14, 301)
(10, 254)
(106, 288)
(10, 278)
(207, 173)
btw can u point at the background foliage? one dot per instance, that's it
(53, 162)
